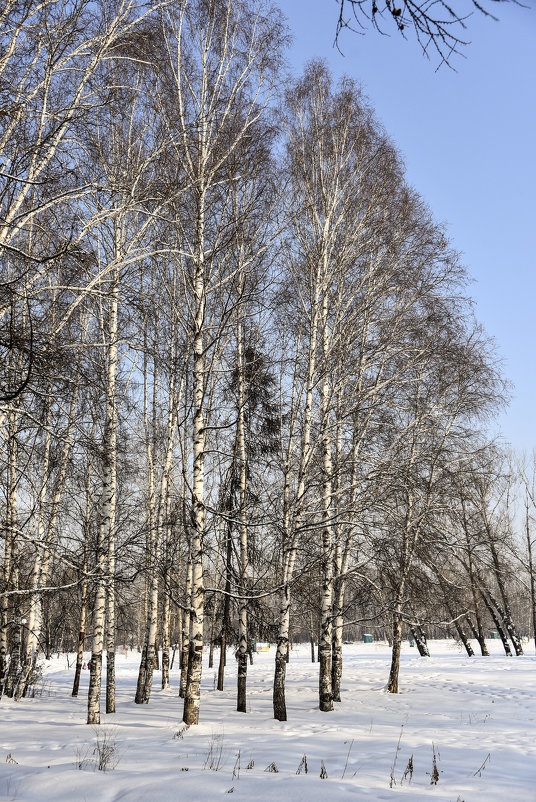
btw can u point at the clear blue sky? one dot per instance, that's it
(468, 140)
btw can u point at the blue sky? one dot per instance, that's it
(468, 140)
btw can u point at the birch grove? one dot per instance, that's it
(243, 396)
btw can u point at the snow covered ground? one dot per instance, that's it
(478, 715)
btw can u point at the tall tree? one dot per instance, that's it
(220, 71)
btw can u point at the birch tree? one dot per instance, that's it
(221, 62)
(345, 186)
(51, 54)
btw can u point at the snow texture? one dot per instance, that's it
(478, 715)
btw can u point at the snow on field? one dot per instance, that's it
(478, 715)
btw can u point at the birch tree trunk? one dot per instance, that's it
(111, 469)
(292, 526)
(166, 612)
(479, 629)
(29, 657)
(193, 682)
(394, 671)
(532, 578)
(457, 620)
(226, 607)
(83, 604)
(242, 655)
(326, 609)
(222, 66)
(145, 674)
(185, 646)
(495, 612)
(461, 634)
(10, 546)
(105, 585)
(506, 612)
(420, 640)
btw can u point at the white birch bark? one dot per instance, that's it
(83, 600)
(242, 655)
(292, 521)
(111, 479)
(186, 616)
(45, 535)
(193, 683)
(10, 547)
(223, 62)
(326, 608)
(157, 526)
(28, 660)
(105, 586)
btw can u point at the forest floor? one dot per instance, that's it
(476, 715)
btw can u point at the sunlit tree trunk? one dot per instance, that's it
(111, 468)
(242, 655)
(495, 611)
(186, 616)
(532, 578)
(226, 606)
(506, 611)
(6, 685)
(479, 629)
(195, 654)
(83, 601)
(33, 621)
(105, 579)
(292, 523)
(326, 607)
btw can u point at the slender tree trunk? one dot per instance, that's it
(28, 655)
(110, 623)
(83, 605)
(242, 656)
(338, 629)
(506, 613)
(325, 687)
(145, 676)
(471, 626)
(342, 560)
(99, 611)
(48, 639)
(9, 549)
(463, 637)
(291, 530)
(392, 685)
(279, 697)
(156, 664)
(479, 629)
(215, 606)
(195, 661)
(14, 670)
(211, 647)
(145, 672)
(489, 602)
(105, 563)
(111, 412)
(226, 607)
(166, 624)
(420, 640)
(185, 648)
(532, 578)
(281, 655)
(42, 560)
(407, 553)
